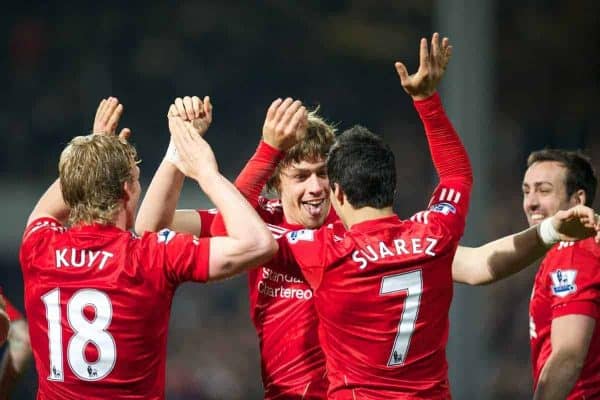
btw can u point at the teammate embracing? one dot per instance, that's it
(98, 298)
(291, 159)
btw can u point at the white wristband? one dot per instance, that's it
(171, 155)
(547, 233)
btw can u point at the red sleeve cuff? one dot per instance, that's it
(206, 219)
(589, 308)
(265, 150)
(429, 106)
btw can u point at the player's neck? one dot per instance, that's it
(356, 216)
(121, 220)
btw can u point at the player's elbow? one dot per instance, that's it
(265, 247)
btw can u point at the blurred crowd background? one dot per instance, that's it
(60, 58)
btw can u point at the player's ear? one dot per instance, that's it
(579, 197)
(338, 194)
(127, 191)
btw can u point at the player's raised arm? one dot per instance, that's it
(52, 204)
(249, 242)
(506, 256)
(285, 123)
(158, 209)
(449, 156)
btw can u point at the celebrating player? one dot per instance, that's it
(291, 157)
(565, 302)
(98, 298)
(18, 352)
(382, 288)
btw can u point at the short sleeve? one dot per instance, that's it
(182, 256)
(206, 220)
(303, 249)
(574, 284)
(448, 207)
(34, 235)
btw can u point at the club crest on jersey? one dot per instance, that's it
(165, 236)
(303, 234)
(443, 208)
(563, 282)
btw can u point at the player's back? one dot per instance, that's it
(383, 304)
(98, 301)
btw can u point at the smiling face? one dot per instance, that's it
(304, 192)
(545, 191)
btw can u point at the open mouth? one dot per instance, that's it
(314, 207)
(537, 217)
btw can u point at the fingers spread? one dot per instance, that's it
(423, 56)
(294, 123)
(435, 48)
(287, 117)
(280, 112)
(402, 72)
(273, 109)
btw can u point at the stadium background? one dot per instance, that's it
(524, 75)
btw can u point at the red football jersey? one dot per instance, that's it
(283, 313)
(98, 300)
(382, 292)
(567, 282)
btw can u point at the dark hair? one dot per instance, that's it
(580, 173)
(364, 168)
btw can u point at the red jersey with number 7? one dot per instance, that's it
(382, 291)
(98, 301)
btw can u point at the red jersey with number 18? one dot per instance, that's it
(98, 300)
(567, 282)
(382, 293)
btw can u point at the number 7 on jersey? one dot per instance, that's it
(410, 283)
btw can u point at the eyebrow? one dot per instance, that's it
(538, 184)
(299, 169)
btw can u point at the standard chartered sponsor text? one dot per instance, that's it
(281, 291)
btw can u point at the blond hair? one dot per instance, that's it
(314, 147)
(92, 171)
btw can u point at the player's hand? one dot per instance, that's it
(107, 118)
(196, 158)
(576, 223)
(193, 110)
(432, 65)
(285, 123)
